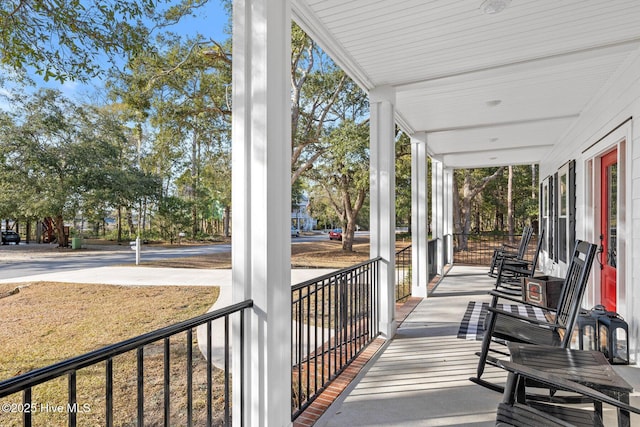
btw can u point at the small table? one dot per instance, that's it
(589, 368)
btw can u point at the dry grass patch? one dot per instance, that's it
(323, 254)
(48, 322)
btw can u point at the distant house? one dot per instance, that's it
(301, 218)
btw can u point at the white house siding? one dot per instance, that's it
(616, 103)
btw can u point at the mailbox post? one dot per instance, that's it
(135, 246)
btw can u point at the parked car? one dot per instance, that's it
(10, 237)
(335, 234)
(294, 232)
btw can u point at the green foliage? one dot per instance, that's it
(174, 217)
(344, 174)
(318, 91)
(65, 40)
(488, 209)
(181, 89)
(403, 179)
(60, 158)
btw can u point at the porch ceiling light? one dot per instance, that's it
(490, 7)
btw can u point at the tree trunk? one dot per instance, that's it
(510, 218)
(461, 240)
(119, 224)
(195, 172)
(132, 227)
(227, 215)
(469, 192)
(349, 217)
(478, 226)
(348, 232)
(534, 181)
(63, 242)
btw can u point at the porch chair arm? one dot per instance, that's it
(531, 320)
(518, 299)
(507, 254)
(504, 245)
(516, 265)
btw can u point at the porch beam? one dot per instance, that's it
(261, 196)
(382, 198)
(419, 216)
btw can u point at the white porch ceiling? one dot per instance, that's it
(543, 60)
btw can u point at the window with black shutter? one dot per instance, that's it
(544, 212)
(566, 223)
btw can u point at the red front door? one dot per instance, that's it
(608, 228)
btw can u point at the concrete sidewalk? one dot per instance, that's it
(154, 276)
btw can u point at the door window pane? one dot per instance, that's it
(563, 195)
(612, 213)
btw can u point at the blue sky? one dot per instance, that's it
(210, 22)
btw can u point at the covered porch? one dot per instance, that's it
(474, 84)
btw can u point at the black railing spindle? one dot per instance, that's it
(209, 375)
(73, 421)
(167, 386)
(140, 365)
(109, 392)
(403, 273)
(189, 377)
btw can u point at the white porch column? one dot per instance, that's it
(437, 209)
(383, 212)
(448, 215)
(261, 196)
(419, 217)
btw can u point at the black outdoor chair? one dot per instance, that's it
(510, 252)
(510, 327)
(511, 271)
(516, 410)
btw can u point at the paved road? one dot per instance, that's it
(36, 259)
(23, 261)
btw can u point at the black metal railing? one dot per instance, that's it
(156, 365)
(403, 273)
(432, 258)
(477, 248)
(334, 318)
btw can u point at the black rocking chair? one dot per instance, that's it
(508, 251)
(511, 271)
(510, 327)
